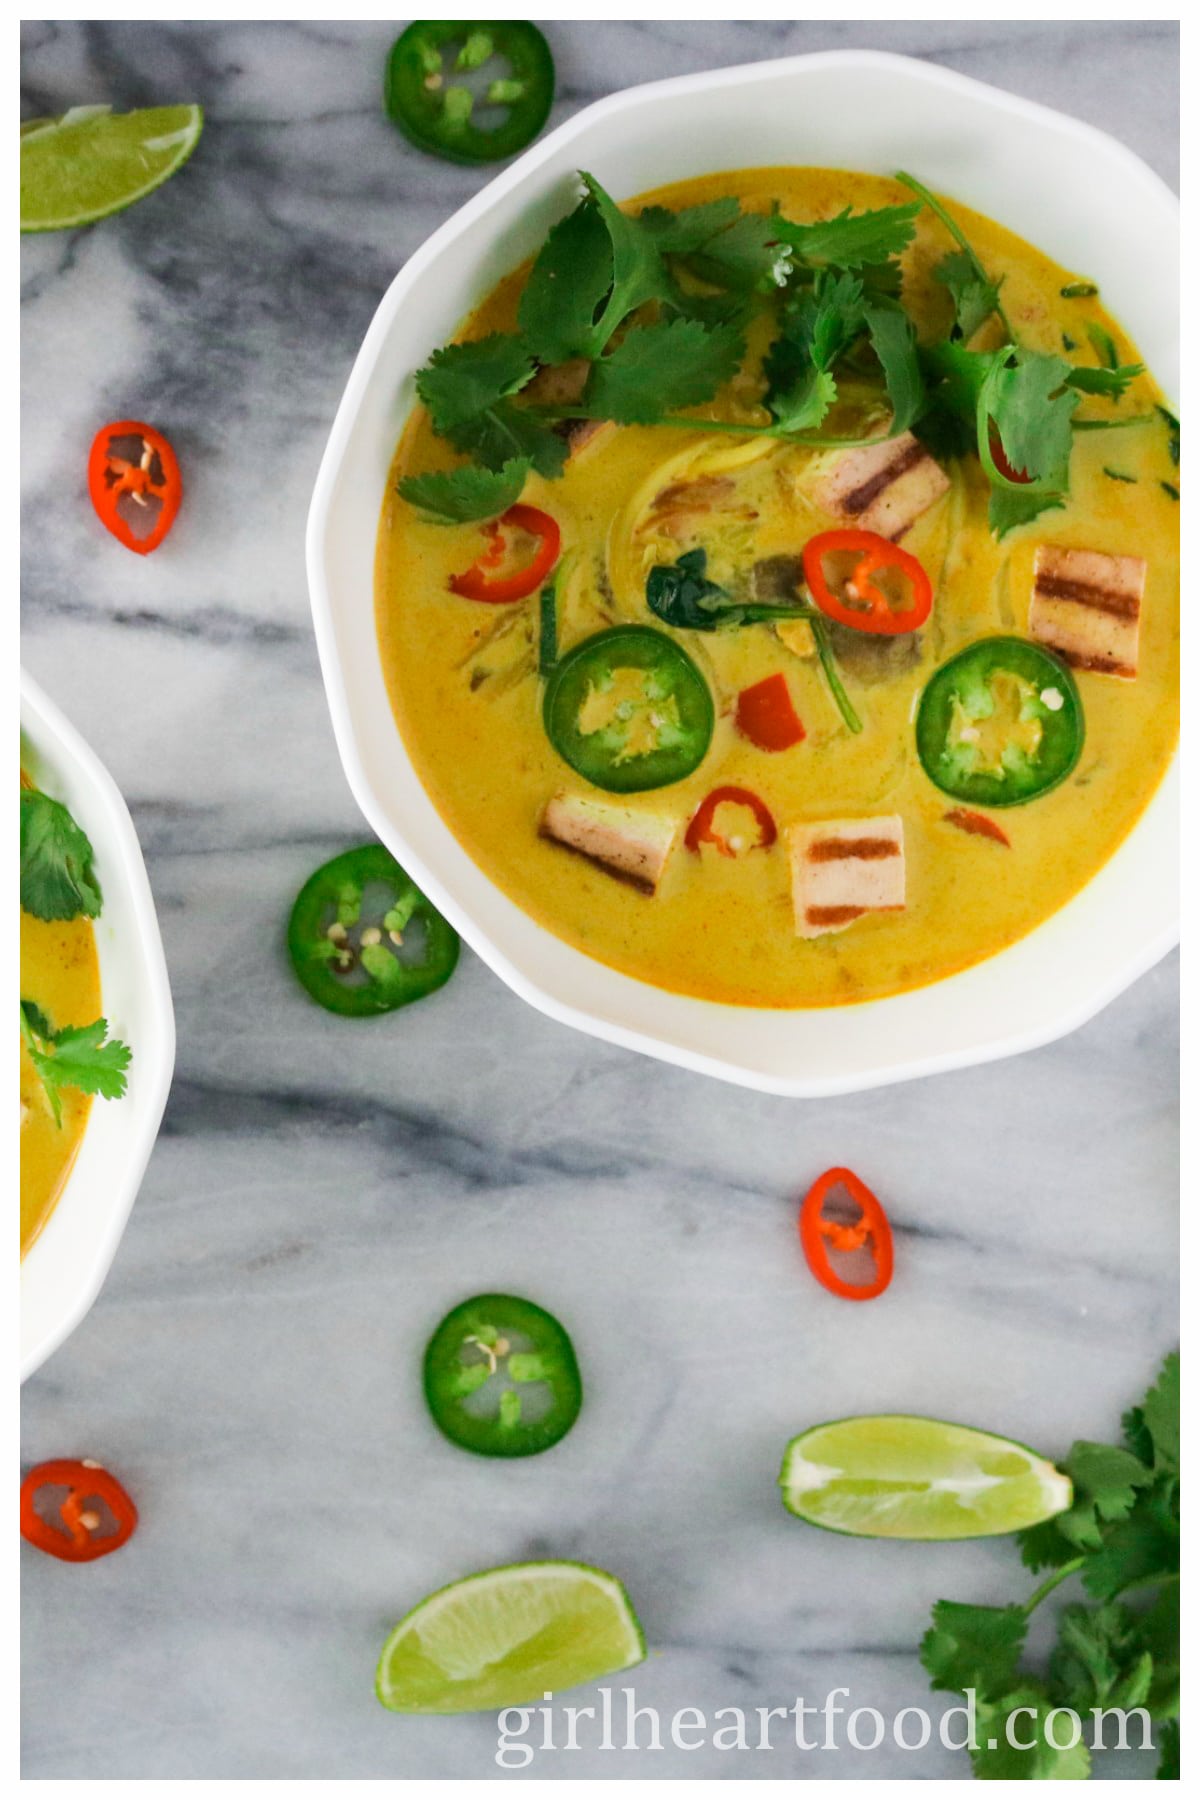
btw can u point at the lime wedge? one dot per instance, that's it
(898, 1477)
(93, 161)
(508, 1636)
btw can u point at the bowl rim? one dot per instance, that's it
(111, 828)
(1123, 970)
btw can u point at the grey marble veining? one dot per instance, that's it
(322, 1192)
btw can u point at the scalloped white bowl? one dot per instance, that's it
(67, 1263)
(1064, 186)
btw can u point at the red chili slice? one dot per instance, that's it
(869, 608)
(996, 447)
(702, 830)
(133, 479)
(818, 1235)
(978, 824)
(766, 716)
(477, 582)
(77, 1535)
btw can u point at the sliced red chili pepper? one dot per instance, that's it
(78, 1534)
(1020, 476)
(867, 607)
(818, 1235)
(702, 829)
(133, 479)
(766, 716)
(478, 583)
(978, 824)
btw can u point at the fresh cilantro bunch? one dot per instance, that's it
(57, 877)
(650, 310)
(1121, 1537)
(76, 1056)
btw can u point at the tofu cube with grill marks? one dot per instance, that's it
(843, 868)
(882, 487)
(630, 845)
(1088, 606)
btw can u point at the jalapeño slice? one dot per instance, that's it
(1000, 723)
(501, 1377)
(363, 938)
(426, 95)
(629, 710)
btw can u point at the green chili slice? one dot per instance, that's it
(437, 112)
(1001, 723)
(629, 710)
(363, 938)
(501, 1377)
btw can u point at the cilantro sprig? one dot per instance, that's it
(58, 880)
(1121, 1538)
(75, 1056)
(655, 305)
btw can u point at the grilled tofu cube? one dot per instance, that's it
(633, 846)
(562, 384)
(882, 487)
(1087, 606)
(843, 868)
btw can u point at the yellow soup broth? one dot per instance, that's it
(60, 968)
(464, 686)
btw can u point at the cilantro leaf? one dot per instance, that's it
(662, 367)
(77, 1056)
(1099, 1659)
(461, 381)
(852, 239)
(1010, 507)
(818, 329)
(1021, 1716)
(506, 433)
(895, 344)
(639, 273)
(1106, 1482)
(1032, 411)
(1152, 1429)
(57, 877)
(685, 232)
(569, 283)
(463, 495)
(1135, 1550)
(974, 1647)
(746, 256)
(975, 296)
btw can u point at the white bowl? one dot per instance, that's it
(1089, 202)
(63, 1272)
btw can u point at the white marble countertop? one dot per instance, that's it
(323, 1192)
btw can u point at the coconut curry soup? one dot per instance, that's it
(66, 1056)
(777, 588)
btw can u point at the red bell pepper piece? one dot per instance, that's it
(766, 716)
(702, 830)
(867, 607)
(978, 824)
(77, 1537)
(478, 582)
(133, 479)
(818, 1235)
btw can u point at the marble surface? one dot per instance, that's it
(322, 1192)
